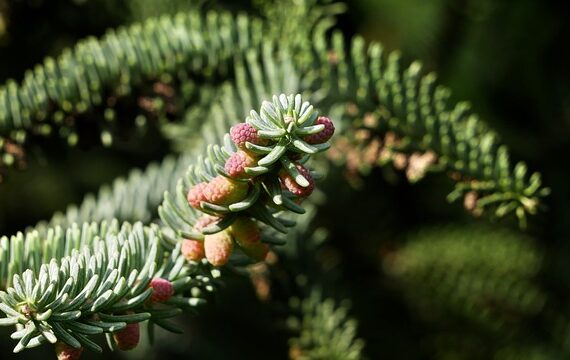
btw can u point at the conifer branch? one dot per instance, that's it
(258, 173)
(65, 286)
(94, 279)
(399, 115)
(404, 117)
(482, 275)
(324, 331)
(54, 93)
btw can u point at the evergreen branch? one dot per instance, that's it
(136, 197)
(165, 54)
(406, 118)
(397, 116)
(133, 198)
(484, 276)
(325, 331)
(54, 93)
(256, 174)
(402, 116)
(66, 287)
(96, 279)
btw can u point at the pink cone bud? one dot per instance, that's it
(236, 164)
(223, 191)
(244, 132)
(196, 195)
(290, 184)
(162, 290)
(324, 135)
(127, 338)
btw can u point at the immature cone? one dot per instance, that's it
(162, 290)
(128, 337)
(324, 135)
(245, 231)
(66, 352)
(236, 164)
(247, 235)
(218, 248)
(196, 195)
(205, 221)
(290, 184)
(193, 250)
(244, 132)
(223, 191)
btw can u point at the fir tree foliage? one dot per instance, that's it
(196, 73)
(359, 80)
(384, 97)
(325, 330)
(283, 122)
(477, 290)
(67, 285)
(94, 279)
(486, 276)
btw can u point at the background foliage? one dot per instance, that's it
(509, 59)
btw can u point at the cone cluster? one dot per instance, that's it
(241, 173)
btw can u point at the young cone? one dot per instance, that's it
(162, 290)
(290, 184)
(127, 338)
(205, 221)
(244, 132)
(66, 352)
(324, 135)
(196, 195)
(223, 191)
(193, 250)
(247, 235)
(218, 248)
(245, 231)
(236, 164)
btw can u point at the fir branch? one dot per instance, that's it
(395, 115)
(399, 110)
(137, 196)
(91, 280)
(66, 286)
(123, 59)
(324, 331)
(403, 116)
(485, 276)
(257, 173)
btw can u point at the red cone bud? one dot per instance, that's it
(324, 135)
(127, 338)
(244, 132)
(162, 290)
(223, 191)
(290, 184)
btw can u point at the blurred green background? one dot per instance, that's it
(510, 59)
